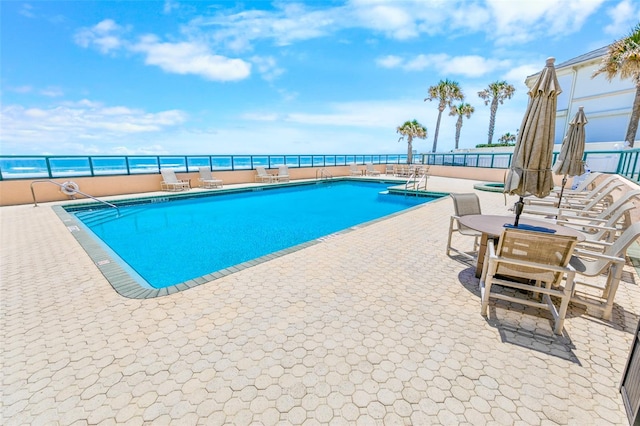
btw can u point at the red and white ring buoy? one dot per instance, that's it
(69, 188)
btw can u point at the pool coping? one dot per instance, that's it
(128, 286)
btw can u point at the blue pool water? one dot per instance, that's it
(171, 242)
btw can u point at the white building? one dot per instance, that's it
(607, 104)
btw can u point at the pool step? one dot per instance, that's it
(100, 216)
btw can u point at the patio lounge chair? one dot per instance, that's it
(370, 171)
(585, 185)
(606, 227)
(207, 180)
(531, 261)
(464, 204)
(588, 206)
(580, 198)
(263, 176)
(592, 264)
(171, 183)
(354, 170)
(283, 174)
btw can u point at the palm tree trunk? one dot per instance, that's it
(409, 149)
(492, 118)
(435, 136)
(458, 127)
(632, 130)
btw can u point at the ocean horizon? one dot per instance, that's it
(15, 167)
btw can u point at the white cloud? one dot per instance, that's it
(465, 65)
(105, 36)
(623, 17)
(191, 58)
(180, 58)
(52, 92)
(521, 21)
(389, 61)
(267, 67)
(82, 120)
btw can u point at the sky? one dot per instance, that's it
(284, 77)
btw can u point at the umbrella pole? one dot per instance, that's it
(518, 207)
(564, 182)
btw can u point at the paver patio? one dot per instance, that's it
(372, 326)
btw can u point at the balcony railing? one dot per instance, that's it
(626, 163)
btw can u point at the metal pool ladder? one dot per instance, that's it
(69, 188)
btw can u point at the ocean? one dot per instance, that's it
(16, 167)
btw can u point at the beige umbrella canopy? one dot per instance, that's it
(530, 172)
(570, 161)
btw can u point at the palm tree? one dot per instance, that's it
(507, 138)
(496, 92)
(411, 129)
(623, 58)
(461, 110)
(446, 91)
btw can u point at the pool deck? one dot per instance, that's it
(373, 326)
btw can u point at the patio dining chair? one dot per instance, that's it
(170, 181)
(535, 262)
(593, 263)
(207, 180)
(464, 204)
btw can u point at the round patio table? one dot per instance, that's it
(491, 226)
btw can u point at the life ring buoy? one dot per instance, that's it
(69, 188)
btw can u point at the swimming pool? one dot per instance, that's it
(169, 243)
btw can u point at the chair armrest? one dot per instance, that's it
(583, 227)
(596, 255)
(570, 218)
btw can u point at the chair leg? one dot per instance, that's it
(609, 294)
(451, 219)
(564, 304)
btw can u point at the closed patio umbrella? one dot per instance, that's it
(570, 161)
(530, 171)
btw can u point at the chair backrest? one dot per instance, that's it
(611, 222)
(369, 167)
(602, 185)
(622, 243)
(624, 198)
(588, 181)
(169, 175)
(539, 247)
(465, 204)
(261, 171)
(205, 173)
(283, 171)
(599, 197)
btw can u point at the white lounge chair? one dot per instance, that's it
(592, 264)
(207, 180)
(283, 174)
(370, 171)
(531, 261)
(263, 176)
(579, 198)
(354, 170)
(170, 181)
